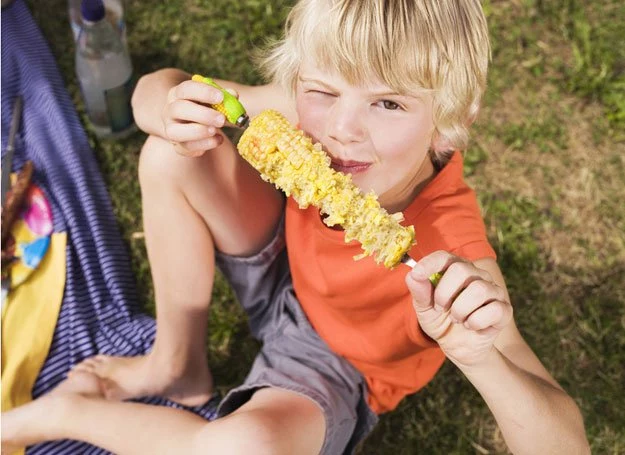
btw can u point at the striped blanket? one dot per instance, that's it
(99, 313)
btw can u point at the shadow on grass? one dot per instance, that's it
(586, 347)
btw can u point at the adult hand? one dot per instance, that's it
(464, 313)
(190, 124)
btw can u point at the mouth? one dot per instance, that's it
(349, 167)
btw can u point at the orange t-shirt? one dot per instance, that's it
(362, 310)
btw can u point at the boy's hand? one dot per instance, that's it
(466, 311)
(190, 124)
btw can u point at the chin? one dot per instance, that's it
(361, 183)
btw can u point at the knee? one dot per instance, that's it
(261, 434)
(266, 435)
(158, 162)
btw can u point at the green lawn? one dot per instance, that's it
(547, 158)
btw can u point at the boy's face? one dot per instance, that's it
(379, 137)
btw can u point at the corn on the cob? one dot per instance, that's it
(286, 157)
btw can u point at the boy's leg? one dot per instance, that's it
(273, 421)
(190, 206)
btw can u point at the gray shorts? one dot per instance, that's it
(293, 357)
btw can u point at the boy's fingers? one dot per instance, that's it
(186, 132)
(477, 294)
(418, 278)
(189, 111)
(496, 314)
(181, 150)
(458, 277)
(197, 91)
(197, 148)
(438, 261)
(420, 288)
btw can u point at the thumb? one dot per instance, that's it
(421, 289)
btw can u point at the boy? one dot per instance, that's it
(389, 89)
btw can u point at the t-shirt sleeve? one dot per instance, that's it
(475, 250)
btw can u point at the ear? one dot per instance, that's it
(440, 143)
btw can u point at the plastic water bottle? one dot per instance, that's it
(114, 13)
(104, 72)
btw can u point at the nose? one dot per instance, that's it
(345, 123)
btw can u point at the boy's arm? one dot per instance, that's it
(256, 98)
(152, 94)
(150, 97)
(533, 412)
(470, 316)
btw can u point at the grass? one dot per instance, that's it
(548, 163)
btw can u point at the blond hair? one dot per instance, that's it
(409, 45)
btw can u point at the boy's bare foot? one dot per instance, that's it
(133, 377)
(25, 425)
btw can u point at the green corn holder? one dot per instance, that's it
(231, 107)
(435, 278)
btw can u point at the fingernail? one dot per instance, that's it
(220, 120)
(212, 130)
(466, 324)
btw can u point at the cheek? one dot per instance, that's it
(312, 114)
(403, 143)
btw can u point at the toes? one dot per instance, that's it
(93, 365)
(77, 369)
(111, 390)
(91, 377)
(101, 364)
(81, 382)
(88, 366)
(87, 384)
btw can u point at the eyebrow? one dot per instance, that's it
(316, 81)
(375, 94)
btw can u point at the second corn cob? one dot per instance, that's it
(287, 157)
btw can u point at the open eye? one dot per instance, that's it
(390, 105)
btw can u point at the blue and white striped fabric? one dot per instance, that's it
(99, 313)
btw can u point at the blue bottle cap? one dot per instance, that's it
(92, 10)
